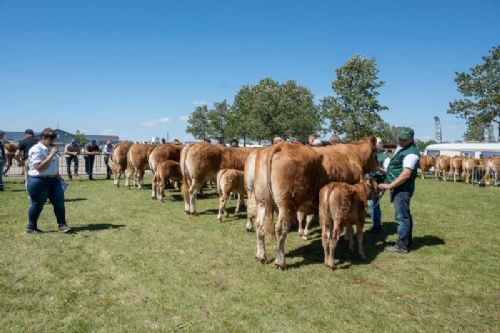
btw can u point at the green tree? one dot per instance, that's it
(421, 145)
(269, 108)
(481, 90)
(388, 133)
(80, 138)
(198, 123)
(218, 118)
(475, 131)
(354, 108)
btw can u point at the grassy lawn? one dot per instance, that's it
(139, 265)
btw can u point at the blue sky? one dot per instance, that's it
(137, 68)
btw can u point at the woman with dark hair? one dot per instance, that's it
(44, 182)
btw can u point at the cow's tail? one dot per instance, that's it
(113, 165)
(184, 170)
(220, 174)
(269, 197)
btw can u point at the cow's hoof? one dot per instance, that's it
(304, 237)
(219, 218)
(262, 260)
(249, 229)
(281, 266)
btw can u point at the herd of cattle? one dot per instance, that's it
(291, 179)
(462, 168)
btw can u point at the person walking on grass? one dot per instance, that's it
(44, 181)
(72, 151)
(401, 174)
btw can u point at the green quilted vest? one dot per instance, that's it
(395, 168)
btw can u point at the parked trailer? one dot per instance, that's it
(470, 149)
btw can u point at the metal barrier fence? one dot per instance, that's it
(99, 166)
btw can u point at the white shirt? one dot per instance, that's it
(106, 149)
(37, 154)
(410, 160)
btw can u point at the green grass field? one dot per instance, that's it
(138, 265)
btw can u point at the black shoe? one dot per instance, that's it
(108, 177)
(396, 249)
(90, 177)
(33, 231)
(65, 229)
(374, 231)
(1, 189)
(70, 176)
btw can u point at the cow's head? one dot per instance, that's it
(370, 186)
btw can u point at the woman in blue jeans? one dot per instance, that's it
(44, 182)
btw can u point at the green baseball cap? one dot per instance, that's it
(406, 133)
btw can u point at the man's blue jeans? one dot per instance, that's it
(403, 218)
(89, 164)
(41, 188)
(68, 164)
(375, 212)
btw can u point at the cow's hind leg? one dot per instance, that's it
(282, 227)
(309, 219)
(222, 205)
(193, 191)
(260, 234)
(359, 236)
(251, 212)
(238, 204)
(332, 244)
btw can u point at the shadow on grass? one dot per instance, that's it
(17, 190)
(96, 227)
(74, 199)
(312, 253)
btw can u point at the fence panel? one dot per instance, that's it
(99, 166)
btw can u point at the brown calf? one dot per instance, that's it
(165, 171)
(229, 181)
(342, 205)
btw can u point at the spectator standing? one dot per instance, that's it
(2, 159)
(107, 150)
(401, 174)
(91, 150)
(23, 148)
(44, 182)
(234, 143)
(72, 151)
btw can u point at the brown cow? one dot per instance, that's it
(229, 181)
(468, 166)
(493, 170)
(456, 167)
(342, 205)
(118, 160)
(289, 176)
(164, 152)
(165, 171)
(137, 158)
(442, 167)
(425, 164)
(200, 162)
(10, 153)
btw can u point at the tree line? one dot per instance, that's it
(269, 108)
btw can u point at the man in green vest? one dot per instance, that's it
(401, 174)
